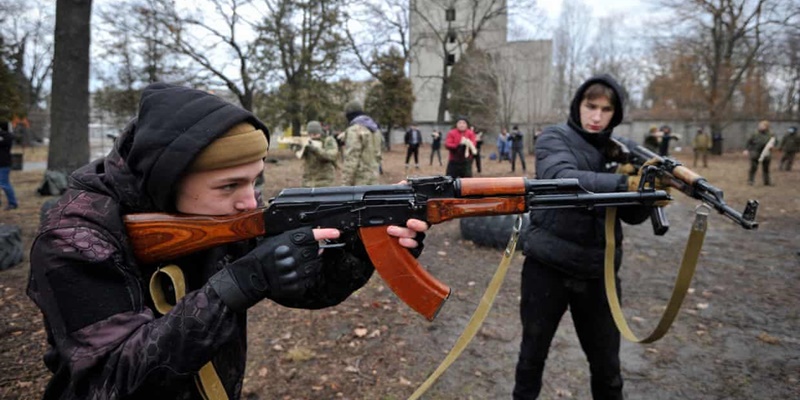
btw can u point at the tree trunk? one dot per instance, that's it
(69, 121)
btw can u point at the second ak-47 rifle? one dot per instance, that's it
(364, 212)
(686, 181)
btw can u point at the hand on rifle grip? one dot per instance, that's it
(410, 237)
(658, 183)
(282, 267)
(626, 169)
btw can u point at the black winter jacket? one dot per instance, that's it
(573, 240)
(105, 339)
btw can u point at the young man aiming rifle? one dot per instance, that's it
(187, 152)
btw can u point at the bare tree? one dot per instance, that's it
(373, 27)
(69, 138)
(727, 38)
(303, 37)
(220, 42)
(30, 37)
(571, 40)
(473, 90)
(458, 34)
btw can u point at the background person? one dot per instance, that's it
(458, 142)
(363, 144)
(756, 145)
(517, 148)
(789, 146)
(319, 157)
(701, 145)
(6, 142)
(412, 139)
(436, 145)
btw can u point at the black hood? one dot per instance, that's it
(574, 120)
(174, 124)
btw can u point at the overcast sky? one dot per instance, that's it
(601, 8)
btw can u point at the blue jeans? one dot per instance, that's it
(5, 184)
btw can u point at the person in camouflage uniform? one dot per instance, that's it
(701, 144)
(363, 142)
(789, 146)
(319, 157)
(755, 146)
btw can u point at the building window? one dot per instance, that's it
(450, 14)
(451, 58)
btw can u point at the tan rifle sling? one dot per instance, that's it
(682, 281)
(207, 380)
(478, 316)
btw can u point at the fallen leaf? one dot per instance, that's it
(360, 332)
(405, 382)
(702, 306)
(263, 372)
(767, 338)
(351, 369)
(441, 253)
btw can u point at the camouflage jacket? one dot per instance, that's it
(790, 143)
(362, 152)
(319, 163)
(702, 141)
(756, 144)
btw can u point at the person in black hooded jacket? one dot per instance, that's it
(564, 248)
(186, 152)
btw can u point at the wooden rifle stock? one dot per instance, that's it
(367, 211)
(159, 237)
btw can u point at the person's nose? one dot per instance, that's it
(247, 200)
(596, 115)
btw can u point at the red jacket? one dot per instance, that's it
(453, 143)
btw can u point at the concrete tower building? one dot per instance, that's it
(439, 33)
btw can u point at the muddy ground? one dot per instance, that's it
(735, 338)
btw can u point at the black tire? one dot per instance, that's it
(46, 206)
(493, 231)
(10, 246)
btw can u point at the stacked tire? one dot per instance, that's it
(493, 231)
(10, 246)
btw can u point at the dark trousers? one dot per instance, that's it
(514, 153)
(751, 176)
(438, 154)
(413, 149)
(786, 161)
(546, 295)
(478, 162)
(459, 169)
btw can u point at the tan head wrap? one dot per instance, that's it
(242, 144)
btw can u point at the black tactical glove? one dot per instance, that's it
(281, 268)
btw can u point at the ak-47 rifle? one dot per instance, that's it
(298, 143)
(686, 181)
(365, 212)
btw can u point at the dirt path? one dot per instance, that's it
(735, 338)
